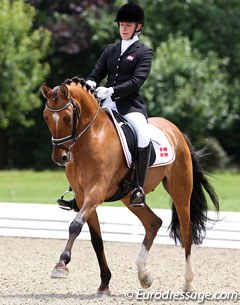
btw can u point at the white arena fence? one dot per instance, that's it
(117, 224)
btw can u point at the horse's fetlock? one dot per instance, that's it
(106, 276)
(65, 257)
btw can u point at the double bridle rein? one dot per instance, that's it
(76, 116)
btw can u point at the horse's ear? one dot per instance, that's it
(64, 91)
(46, 91)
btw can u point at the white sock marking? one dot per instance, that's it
(142, 259)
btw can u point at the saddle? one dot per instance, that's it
(128, 138)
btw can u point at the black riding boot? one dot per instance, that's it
(137, 199)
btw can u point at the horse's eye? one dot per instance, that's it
(67, 119)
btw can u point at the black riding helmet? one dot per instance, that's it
(130, 12)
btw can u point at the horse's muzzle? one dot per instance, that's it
(61, 156)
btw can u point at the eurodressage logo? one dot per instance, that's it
(199, 297)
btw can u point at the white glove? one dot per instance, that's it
(103, 92)
(91, 83)
(109, 103)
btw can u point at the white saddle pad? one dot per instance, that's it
(163, 148)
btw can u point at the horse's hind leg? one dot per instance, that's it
(151, 223)
(97, 243)
(186, 240)
(180, 193)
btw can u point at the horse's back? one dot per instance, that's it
(162, 123)
(169, 128)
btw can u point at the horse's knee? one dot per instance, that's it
(75, 227)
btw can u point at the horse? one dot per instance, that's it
(85, 141)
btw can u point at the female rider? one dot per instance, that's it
(127, 65)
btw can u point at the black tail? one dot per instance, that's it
(198, 205)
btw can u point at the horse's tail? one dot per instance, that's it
(198, 204)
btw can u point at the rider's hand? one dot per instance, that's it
(103, 92)
(91, 83)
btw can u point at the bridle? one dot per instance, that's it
(57, 142)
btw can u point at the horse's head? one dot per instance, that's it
(61, 114)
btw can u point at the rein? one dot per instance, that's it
(76, 115)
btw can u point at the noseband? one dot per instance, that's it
(76, 115)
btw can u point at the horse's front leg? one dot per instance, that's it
(97, 244)
(60, 270)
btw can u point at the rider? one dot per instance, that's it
(127, 65)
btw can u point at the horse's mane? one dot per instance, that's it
(77, 81)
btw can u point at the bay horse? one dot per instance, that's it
(85, 141)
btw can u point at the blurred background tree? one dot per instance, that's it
(21, 52)
(194, 80)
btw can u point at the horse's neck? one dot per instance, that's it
(88, 106)
(87, 103)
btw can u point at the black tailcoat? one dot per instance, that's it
(125, 73)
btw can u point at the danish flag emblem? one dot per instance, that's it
(130, 57)
(163, 152)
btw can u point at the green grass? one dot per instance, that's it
(32, 186)
(225, 183)
(47, 186)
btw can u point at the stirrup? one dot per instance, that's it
(68, 205)
(138, 198)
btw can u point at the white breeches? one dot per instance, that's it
(137, 120)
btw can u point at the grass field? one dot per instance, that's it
(47, 186)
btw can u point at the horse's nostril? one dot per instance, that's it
(64, 159)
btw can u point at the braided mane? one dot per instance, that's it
(77, 81)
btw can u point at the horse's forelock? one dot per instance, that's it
(55, 94)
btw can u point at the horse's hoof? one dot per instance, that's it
(103, 294)
(146, 280)
(59, 273)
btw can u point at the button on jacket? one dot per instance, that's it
(125, 73)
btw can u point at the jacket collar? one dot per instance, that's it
(131, 49)
(125, 44)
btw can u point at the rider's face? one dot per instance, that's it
(127, 29)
